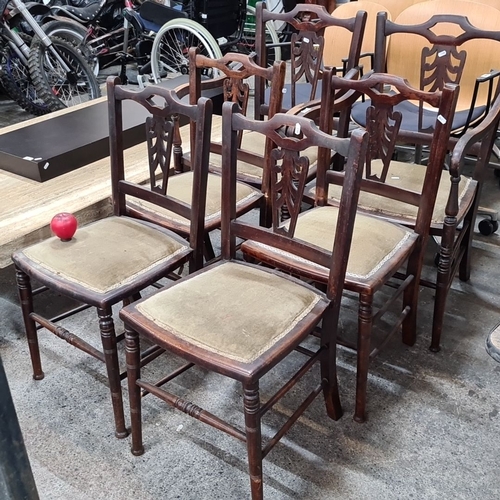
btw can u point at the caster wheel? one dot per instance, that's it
(487, 227)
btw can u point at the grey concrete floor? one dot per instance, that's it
(433, 430)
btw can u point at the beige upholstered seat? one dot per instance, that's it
(407, 176)
(107, 254)
(317, 227)
(181, 186)
(234, 310)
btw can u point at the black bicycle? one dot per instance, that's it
(41, 73)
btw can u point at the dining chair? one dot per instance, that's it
(457, 217)
(437, 42)
(240, 320)
(381, 246)
(233, 70)
(111, 260)
(307, 24)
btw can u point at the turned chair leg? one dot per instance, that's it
(365, 325)
(251, 403)
(108, 338)
(26, 300)
(133, 358)
(442, 286)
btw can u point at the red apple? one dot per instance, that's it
(64, 225)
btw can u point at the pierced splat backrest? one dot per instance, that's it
(291, 136)
(164, 114)
(234, 71)
(307, 22)
(382, 125)
(306, 60)
(450, 41)
(385, 92)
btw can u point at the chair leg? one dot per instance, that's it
(329, 371)
(365, 326)
(251, 403)
(465, 263)
(26, 300)
(443, 280)
(410, 303)
(108, 338)
(133, 373)
(208, 249)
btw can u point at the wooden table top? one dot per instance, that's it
(27, 206)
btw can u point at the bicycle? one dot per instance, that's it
(41, 73)
(216, 29)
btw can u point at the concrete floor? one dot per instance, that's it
(433, 430)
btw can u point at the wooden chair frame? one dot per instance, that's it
(411, 252)
(121, 189)
(287, 148)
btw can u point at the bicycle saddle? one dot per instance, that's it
(83, 14)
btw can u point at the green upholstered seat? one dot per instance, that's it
(180, 187)
(235, 310)
(107, 254)
(407, 176)
(374, 243)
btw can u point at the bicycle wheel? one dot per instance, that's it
(55, 86)
(76, 34)
(169, 56)
(16, 81)
(246, 44)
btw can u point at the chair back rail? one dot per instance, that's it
(307, 23)
(435, 42)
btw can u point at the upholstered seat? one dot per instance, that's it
(410, 116)
(302, 94)
(180, 187)
(106, 255)
(408, 176)
(233, 310)
(317, 227)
